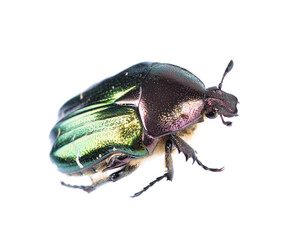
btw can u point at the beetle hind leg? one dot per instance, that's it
(189, 152)
(126, 170)
(88, 188)
(169, 165)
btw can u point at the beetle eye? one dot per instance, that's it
(211, 114)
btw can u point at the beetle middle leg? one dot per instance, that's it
(169, 165)
(189, 152)
(117, 161)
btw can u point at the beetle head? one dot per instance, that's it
(218, 102)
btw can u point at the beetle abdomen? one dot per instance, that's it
(89, 137)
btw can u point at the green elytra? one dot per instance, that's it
(91, 127)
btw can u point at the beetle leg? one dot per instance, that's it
(88, 188)
(169, 165)
(169, 160)
(117, 161)
(110, 178)
(189, 152)
(128, 169)
(150, 185)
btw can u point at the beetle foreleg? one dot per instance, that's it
(189, 152)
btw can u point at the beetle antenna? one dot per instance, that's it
(228, 69)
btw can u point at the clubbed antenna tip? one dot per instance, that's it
(228, 69)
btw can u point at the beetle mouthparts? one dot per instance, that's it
(227, 123)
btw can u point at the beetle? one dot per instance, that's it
(107, 129)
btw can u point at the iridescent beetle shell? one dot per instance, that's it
(121, 119)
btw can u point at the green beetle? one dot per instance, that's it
(122, 119)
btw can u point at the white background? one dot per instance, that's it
(53, 50)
